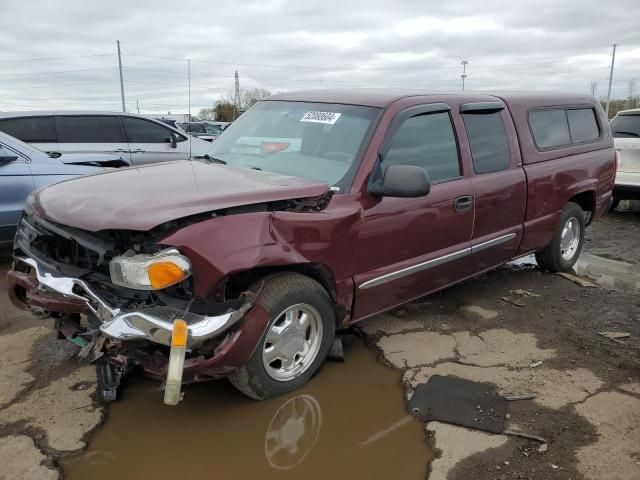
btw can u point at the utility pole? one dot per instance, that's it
(189, 108)
(138, 107)
(236, 97)
(124, 110)
(464, 64)
(613, 60)
(189, 83)
(594, 89)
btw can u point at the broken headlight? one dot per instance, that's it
(149, 271)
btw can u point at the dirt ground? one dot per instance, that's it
(496, 328)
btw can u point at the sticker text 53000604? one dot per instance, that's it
(321, 117)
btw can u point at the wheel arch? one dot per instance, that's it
(235, 283)
(587, 201)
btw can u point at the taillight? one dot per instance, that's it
(273, 147)
(616, 167)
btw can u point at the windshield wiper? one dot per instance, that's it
(633, 134)
(212, 159)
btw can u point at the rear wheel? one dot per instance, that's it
(296, 342)
(567, 241)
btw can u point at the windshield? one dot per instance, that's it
(626, 126)
(319, 141)
(194, 127)
(213, 129)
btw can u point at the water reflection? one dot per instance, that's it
(348, 422)
(293, 432)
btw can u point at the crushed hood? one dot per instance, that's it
(144, 197)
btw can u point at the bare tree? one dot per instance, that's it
(207, 114)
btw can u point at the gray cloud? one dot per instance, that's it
(286, 45)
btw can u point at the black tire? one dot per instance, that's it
(551, 258)
(280, 292)
(614, 203)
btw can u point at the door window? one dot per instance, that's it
(488, 141)
(143, 131)
(426, 141)
(89, 129)
(30, 129)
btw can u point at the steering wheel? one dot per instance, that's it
(340, 156)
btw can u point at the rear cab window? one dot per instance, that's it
(89, 129)
(563, 127)
(488, 141)
(30, 129)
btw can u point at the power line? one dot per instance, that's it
(55, 58)
(54, 72)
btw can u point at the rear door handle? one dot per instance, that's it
(119, 150)
(463, 203)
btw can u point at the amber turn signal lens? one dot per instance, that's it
(164, 274)
(179, 334)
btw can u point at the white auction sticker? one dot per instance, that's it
(321, 117)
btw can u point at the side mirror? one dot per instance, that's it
(5, 159)
(173, 139)
(402, 181)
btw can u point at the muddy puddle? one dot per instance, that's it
(348, 422)
(603, 271)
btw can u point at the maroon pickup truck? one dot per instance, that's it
(313, 211)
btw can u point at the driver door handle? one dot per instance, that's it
(463, 203)
(119, 150)
(137, 150)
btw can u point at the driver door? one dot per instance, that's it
(410, 246)
(150, 142)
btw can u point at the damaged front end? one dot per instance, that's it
(62, 274)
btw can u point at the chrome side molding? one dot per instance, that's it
(389, 277)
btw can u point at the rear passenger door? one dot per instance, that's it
(499, 184)
(150, 142)
(38, 131)
(91, 134)
(408, 247)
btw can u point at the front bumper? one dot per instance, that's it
(49, 291)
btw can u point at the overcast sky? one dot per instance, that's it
(61, 54)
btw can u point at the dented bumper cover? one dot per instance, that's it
(153, 324)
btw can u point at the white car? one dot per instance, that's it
(625, 127)
(139, 140)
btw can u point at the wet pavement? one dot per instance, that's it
(348, 422)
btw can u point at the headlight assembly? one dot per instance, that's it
(150, 272)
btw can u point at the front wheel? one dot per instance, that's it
(567, 241)
(297, 339)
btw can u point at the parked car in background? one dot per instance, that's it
(204, 130)
(625, 127)
(245, 264)
(169, 121)
(140, 140)
(24, 168)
